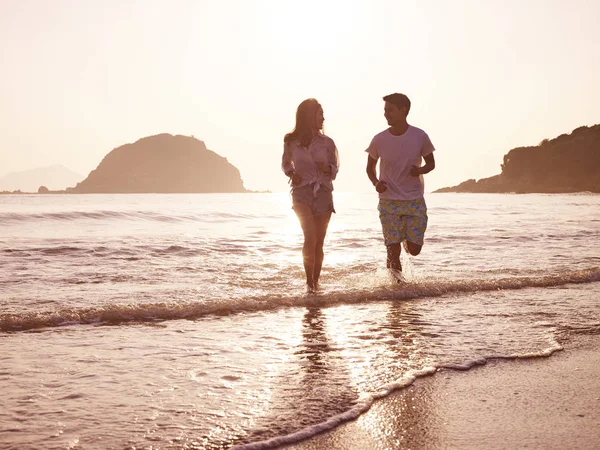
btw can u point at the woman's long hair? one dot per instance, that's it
(306, 123)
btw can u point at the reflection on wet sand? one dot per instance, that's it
(324, 377)
(315, 347)
(408, 418)
(409, 415)
(317, 386)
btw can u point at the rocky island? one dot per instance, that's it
(162, 164)
(568, 163)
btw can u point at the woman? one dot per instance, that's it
(310, 160)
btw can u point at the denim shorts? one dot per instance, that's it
(319, 204)
(403, 220)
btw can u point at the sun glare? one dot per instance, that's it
(308, 26)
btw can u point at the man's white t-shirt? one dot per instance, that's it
(398, 154)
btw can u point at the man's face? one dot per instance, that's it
(393, 115)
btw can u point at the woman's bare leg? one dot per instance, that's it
(307, 222)
(321, 224)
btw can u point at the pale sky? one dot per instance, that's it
(82, 77)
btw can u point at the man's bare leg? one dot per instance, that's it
(393, 257)
(412, 248)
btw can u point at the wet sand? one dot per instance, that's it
(540, 403)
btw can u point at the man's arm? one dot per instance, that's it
(428, 167)
(371, 170)
(380, 186)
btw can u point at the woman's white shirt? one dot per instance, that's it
(303, 161)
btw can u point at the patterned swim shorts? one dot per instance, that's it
(403, 220)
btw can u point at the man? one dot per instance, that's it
(402, 209)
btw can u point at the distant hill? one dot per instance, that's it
(568, 163)
(55, 177)
(162, 164)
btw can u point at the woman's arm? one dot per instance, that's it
(287, 163)
(334, 161)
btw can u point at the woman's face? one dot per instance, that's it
(319, 119)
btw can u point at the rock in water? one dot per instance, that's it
(162, 164)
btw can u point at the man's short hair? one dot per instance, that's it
(399, 100)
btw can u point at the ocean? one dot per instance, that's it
(182, 322)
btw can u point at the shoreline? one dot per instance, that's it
(540, 403)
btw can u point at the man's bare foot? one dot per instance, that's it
(396, 276)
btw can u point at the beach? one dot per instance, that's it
(182, 321)
(538, 403)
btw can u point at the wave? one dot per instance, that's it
(152, 312)
(120, 215)
(362, 405)
(130, 254)
(366, 401)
